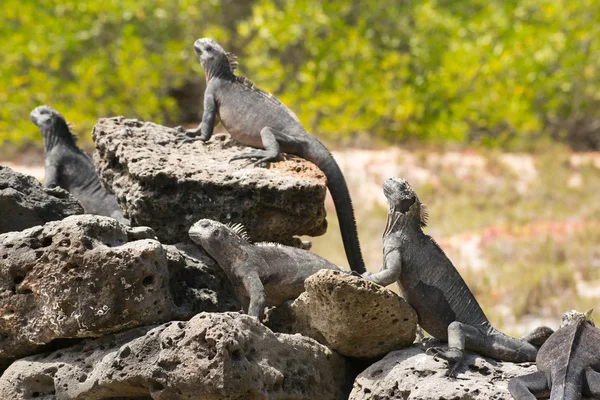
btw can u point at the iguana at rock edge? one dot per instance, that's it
(429, 282)
(255, 118)
(261, 273)
(568, 363)
(68, 167)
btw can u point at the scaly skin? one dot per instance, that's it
(568, 363)
(257, 119)
(433, 287)
(68, 167)
(261, 273)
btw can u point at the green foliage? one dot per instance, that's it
(498, 73)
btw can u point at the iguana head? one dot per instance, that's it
(403, 202)
(52, 124)
(216, 237)
(214, 59)
(574, 317)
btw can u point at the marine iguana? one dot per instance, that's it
(445, 306)
(568, 363)
(261, 273)
(255, 118)
(68, 167)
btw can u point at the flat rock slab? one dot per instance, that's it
(169, 185)
(88, 275)
(352, 315)
(411, 374)
(24, 202)
(212, 356)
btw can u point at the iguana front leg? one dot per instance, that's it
(51, 175)
(256, 292)
(390, 269)
(206, 127)
(529, 387)
(270, 153)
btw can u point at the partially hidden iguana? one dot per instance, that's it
(568, 363)
(429, 282)
(261, 273)
(68, 167)
(255, 118)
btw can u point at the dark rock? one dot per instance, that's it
(169, 185)
(24, 202)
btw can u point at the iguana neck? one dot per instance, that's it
(218, 71)
(56, 135)
(398, 222)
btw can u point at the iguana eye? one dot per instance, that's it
(208, 48)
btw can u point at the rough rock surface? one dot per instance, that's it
(88, 275)
(24, 202)
(352, 315)
(212, 356)
(411, 374)
(169, 185)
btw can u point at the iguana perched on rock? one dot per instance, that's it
(68, 167)
(568, 363)
(445, 306)
(255, 118)
(261, 273)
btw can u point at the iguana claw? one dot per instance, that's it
(452, 355)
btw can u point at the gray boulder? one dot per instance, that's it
(88, 275)
(410, 374)
(25, 202)
(351, 315)
(212, 356)
(169, 185)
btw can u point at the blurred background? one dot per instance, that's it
(490, 108)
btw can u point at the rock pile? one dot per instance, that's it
(93, 309)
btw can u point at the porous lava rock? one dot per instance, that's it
(211, 356)
(352, 315)
(88, 275)
(168, 185)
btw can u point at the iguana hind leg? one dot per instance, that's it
(270, 153)
(495, 345)
(529, 387)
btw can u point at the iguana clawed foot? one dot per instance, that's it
(452, 355)
(188, 135)
(263, 156)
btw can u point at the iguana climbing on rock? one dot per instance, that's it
(568, 363)
(68, 167)
(445, 306)
(255, 118)
(261, 273)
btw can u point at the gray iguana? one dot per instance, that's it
(568, 363)
(255, 118)
(429, 282)
(261, 273)
(68, 167)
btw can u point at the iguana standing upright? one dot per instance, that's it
(255, 118)
(68, 167)
(261, 273)
(429, 282)
(568, 363)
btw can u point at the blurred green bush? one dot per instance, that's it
(492, 72)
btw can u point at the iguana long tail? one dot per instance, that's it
(322, 158)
